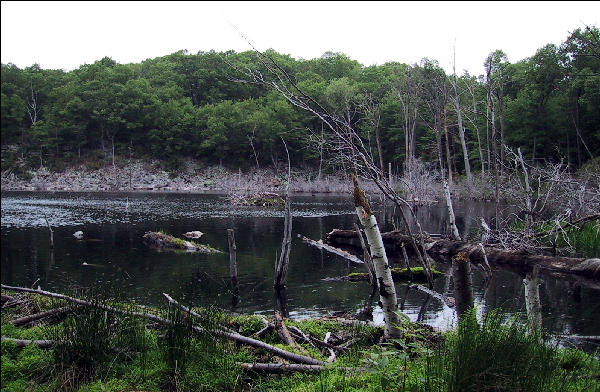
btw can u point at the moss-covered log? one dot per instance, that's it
(418, 274)
(160, 240)
(445, 249)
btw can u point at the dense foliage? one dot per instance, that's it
(194, 105)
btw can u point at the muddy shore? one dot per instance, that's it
(192, 177)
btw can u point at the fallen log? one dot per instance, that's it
(27, 319)
(404, 274)
(160, 240)
(445, 249)
(230, 335)
(331, 249)
(289, 367)
(450, 302)
(25, 342)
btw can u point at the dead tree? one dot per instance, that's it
(383, 271)
(344, 138)
(461, 130)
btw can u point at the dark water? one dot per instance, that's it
(113, 225)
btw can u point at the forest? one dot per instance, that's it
(201, 106)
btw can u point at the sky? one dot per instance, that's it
(65, 35)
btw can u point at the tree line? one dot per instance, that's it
(199, 105)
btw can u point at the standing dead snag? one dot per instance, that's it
(281, 266)
(387, 291)
(367, 258)
(532, 301)
(233, 265)
(463, 285)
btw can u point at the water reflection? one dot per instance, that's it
(112, 251)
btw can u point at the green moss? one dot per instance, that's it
(418, 274)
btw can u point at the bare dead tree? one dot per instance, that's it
(455, 99)
(345, 140)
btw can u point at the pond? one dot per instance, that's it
(112, 253)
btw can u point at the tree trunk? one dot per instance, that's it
(452, 221)
(448, 163)
(463, 286)
(532, 302)
(387, 290)
(281, 266)
(461, 134)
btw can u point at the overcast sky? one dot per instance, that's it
(67, 34)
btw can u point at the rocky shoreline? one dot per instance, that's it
(192, 177)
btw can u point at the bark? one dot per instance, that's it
(39, 316)
(440, 297)
(218, 332)
(51, 233)
(387, 291)
(444, 248)
(232, 257)
(283, 332)
(367, 258)
(463, 286)
(23, 342)
(532, 302)
(331, 249)
(406, 263)
(453, 229)
(281, 266)
(288, 367)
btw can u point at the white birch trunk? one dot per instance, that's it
(532, 301)
(387, 291)
(453, 229)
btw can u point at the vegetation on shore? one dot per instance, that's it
(104, 351)
(189, 105)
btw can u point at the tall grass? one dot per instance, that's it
(501, 356)
(92, 341)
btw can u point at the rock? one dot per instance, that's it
(193, 234)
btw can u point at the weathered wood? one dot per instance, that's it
(533, 304)
(387, 291)
(281, 266)
(406, 263)
(51, 233)
(332, 356)
(368, 261)
(25, 342)
(446, 301)
(289, 367)
(219, 332)
(331, 249)
(453, 229)
(232, 258)
(463, 284)
(41, 315)
(444, 249)
(283, 332)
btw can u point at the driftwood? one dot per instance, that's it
(283, 332)
(446, 301)
(24, 342)
(220, 332)
(251, 342)
(288, 367)
(444, 249)
(41, 315)
(331, 249)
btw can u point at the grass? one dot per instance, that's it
(492, 355)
